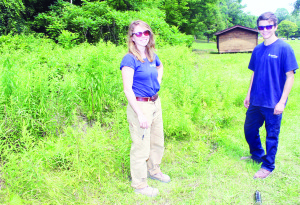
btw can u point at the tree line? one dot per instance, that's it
(71, 21)
(288, 23)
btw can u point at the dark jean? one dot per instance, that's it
(255, 118)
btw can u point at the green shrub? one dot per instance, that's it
(67, 39)
(96, 21)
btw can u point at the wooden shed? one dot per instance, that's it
(237, 39)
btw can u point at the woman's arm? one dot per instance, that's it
(160, 71)
(127, 75)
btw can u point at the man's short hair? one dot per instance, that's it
(269, 16)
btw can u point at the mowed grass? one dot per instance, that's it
(202, 97)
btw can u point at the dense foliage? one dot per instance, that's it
(11, 17)
(94, 21)
(296, 7)
(70, 22)
(281, 14)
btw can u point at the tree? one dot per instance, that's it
(11, 16)
(287, 28)
(204, 17)
(124, 5)
(176, 12)
(296, 8)
(210, 23)
(281, 14)
(233, 14)
(296, 20)
(194, 17)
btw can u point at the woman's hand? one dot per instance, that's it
(143, 121)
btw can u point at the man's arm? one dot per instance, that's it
(247, 100)
(286, 91)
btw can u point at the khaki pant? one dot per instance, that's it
(146, 153)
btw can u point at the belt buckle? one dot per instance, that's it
(154, 97)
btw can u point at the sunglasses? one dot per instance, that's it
(139, 34)
(268, 27)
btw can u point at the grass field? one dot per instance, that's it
(70, 145)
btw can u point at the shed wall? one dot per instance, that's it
(237, 40)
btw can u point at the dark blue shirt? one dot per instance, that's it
(270, 65)
(145, 83)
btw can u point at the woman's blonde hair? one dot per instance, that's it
(150, 47)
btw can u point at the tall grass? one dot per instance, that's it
(44, 84)
(65, 138)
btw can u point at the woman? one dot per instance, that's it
(142, 74)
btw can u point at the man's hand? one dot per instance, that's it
(279, 108)
(247, 102)
(286, 90)
(247, 99)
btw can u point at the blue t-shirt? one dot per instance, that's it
(145, 83)
(270, 65)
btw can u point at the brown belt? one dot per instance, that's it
(146, 99)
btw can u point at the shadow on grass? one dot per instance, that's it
(203, 41)
(205, 51)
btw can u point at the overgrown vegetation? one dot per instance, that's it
(89, 20)
(96, 21)
(63, 129)
(65, 138)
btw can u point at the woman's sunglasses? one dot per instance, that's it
(139, 34)
(268, 27)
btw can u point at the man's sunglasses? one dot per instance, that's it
(268, 27)
(139, 34)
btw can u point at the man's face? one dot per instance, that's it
(265, 24)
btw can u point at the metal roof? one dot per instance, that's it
(236, 26)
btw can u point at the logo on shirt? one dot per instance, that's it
(152, 65)
(273, 56)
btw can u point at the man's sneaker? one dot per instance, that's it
(160, 177)
(147, 191)
(262, 174)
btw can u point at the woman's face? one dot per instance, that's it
(143, 40)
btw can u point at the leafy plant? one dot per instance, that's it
(287, 28)
(96, 21)
(67, 39)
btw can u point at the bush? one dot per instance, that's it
(96, 21)
(67, 39)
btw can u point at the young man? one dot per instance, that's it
(273, 64)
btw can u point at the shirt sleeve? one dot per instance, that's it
(128, 61)
(157, 61)
(251, 65)
(290, 62)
